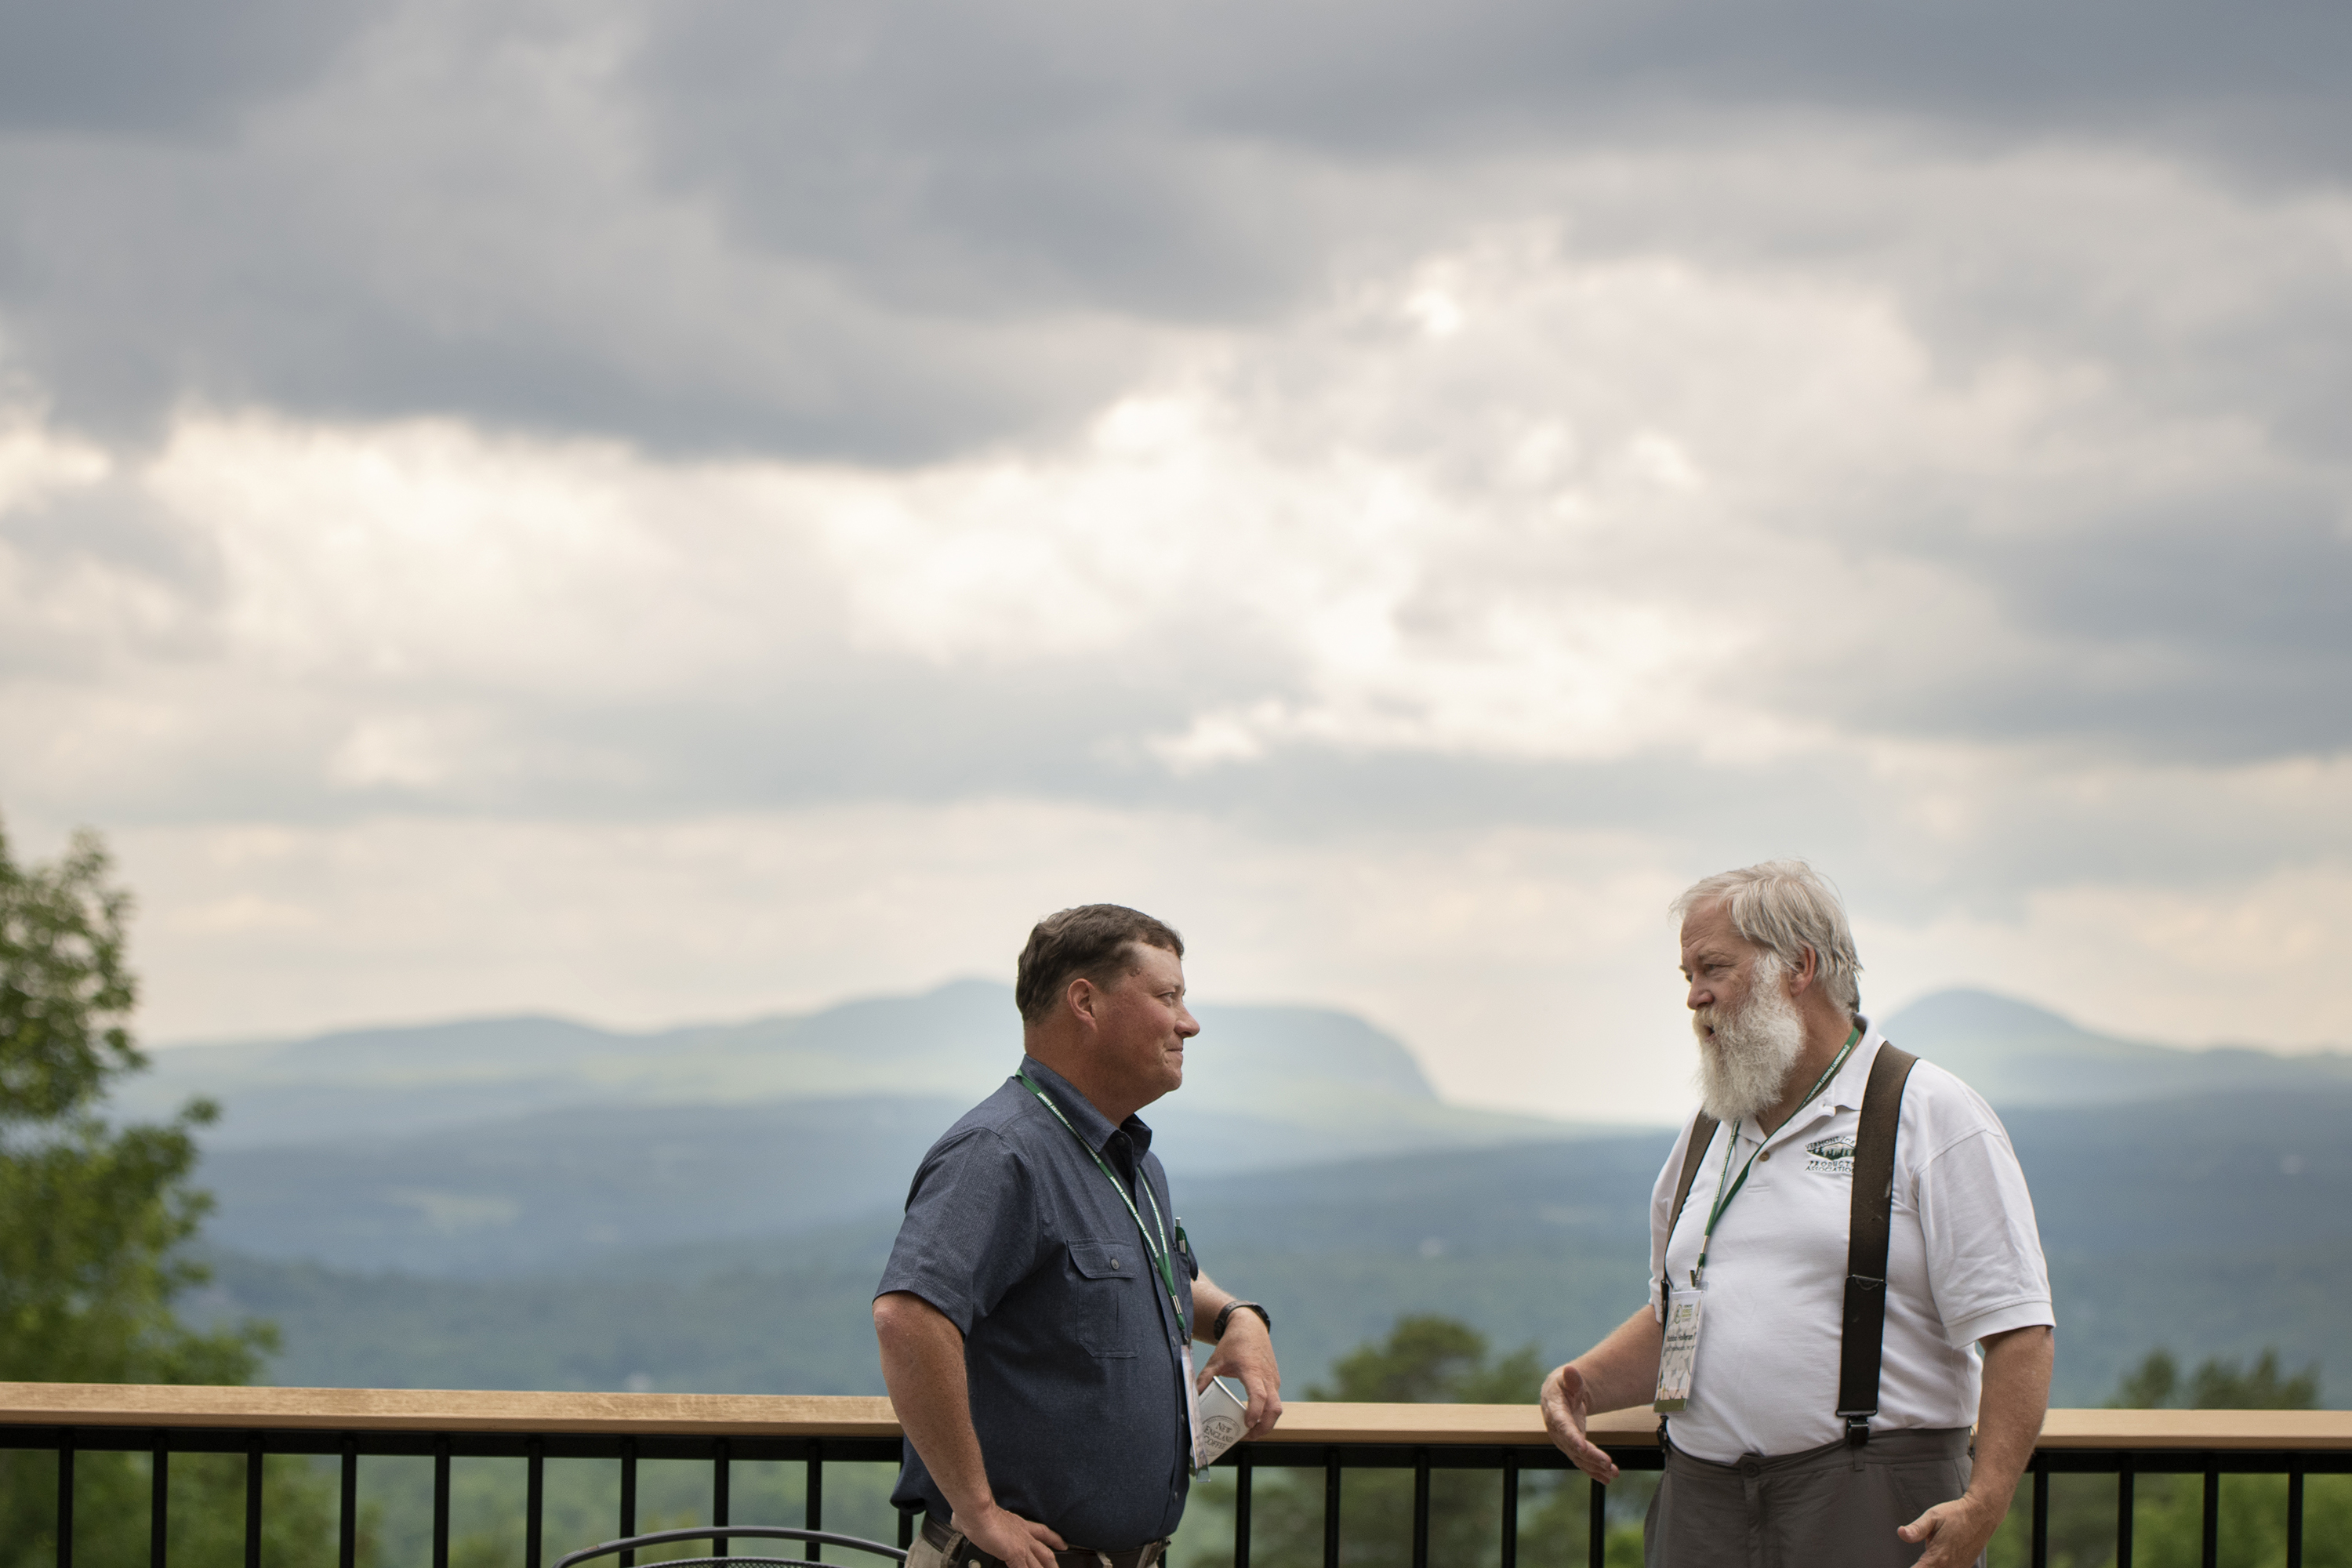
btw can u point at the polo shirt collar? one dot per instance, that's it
(1845, 1090)
(1092, 1125)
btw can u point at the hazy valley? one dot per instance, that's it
(532, 1202)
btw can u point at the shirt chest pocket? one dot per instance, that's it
(1102, 1277)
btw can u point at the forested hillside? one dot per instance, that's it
(2219, 1225)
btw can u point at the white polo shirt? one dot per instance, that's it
(1963, 1261)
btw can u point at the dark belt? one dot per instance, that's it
(959, 1553)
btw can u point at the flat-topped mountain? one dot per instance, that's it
(1321, 1070)
(495, 1145)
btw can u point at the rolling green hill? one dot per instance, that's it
(2216, 1226)
(536, 1202)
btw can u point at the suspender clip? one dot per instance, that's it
(1857, 1435)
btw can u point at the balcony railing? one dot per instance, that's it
(721, 1431)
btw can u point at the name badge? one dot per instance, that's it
(1679, 1354)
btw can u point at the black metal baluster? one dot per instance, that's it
(2211, 1556)
(534, 1502)
(2038, 1552)
(1243, 1477)
(440, 1502)
(628, 1497)
(1421, 1508)
(814, 1495)
(720, 1455)
(159, 1503)
(1510, 1511)
(2294, 1511)
(347, 1523)
(253, 1503)
(1332, 1510)
(1419, 1457)
(2123, 1511)
(65, 1497)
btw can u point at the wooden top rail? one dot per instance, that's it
(444, 1410)
(809, 1415)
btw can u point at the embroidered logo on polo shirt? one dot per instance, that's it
(1831, 1156)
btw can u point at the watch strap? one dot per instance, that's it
(1225, 1316)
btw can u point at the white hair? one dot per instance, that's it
(1788, 909)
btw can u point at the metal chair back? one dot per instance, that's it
(729, 1532)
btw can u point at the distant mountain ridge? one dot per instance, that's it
(1287, 1064)
(535, 1201)
(1310, 1066)
(510, 1146)
(500, 1146)
(2015, 1054)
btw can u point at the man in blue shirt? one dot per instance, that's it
(1036, 1316)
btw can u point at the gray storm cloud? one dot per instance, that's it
(1701, 427)
(843, 229)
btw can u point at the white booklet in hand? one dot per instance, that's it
(1224, 1417)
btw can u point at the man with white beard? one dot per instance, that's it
(1818, 1346)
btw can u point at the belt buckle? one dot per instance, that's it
(959, 1551)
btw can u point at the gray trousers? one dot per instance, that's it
(1829, 1505)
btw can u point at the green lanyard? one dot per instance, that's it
(1161, 1262)
(1723, 1200)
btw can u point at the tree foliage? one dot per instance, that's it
(1425, 1360)
(92, 1257)
(2216, 1385)
(2168, 1510)
(1430, 1360)
(66, 994)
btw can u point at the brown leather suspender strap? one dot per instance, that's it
(1702, 1138)
(1872, 1219)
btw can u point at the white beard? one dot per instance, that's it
(1743, 1069)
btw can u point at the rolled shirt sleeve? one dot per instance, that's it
(971, 1230)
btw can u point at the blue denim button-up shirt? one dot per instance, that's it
(1070, 1348)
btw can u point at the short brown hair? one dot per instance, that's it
(1087, 943)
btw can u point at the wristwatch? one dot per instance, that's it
(1225, 1316)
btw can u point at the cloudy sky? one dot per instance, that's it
(663, 512)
